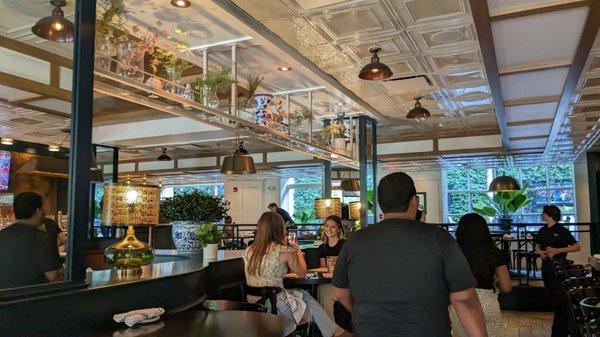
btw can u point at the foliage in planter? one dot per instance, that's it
(210, 234)
(215, 81)
(303, 217)
(169, 60)
(299, 116)
(194, 206)
(253, 81)
(333, 130)
(504, 203)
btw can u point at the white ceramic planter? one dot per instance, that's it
(339, 143)
(210, 251)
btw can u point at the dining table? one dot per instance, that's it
(313, 279)
(196, 323)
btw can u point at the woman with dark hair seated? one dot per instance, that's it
(489, 268)
(553, 242)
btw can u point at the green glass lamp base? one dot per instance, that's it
(129, 254)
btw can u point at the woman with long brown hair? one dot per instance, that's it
(267, 261)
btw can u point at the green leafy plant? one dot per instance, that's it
(169, 60)
(215, 81)
(302, 217)
(299, 116)
(194, 206)
(209, 234)
(504, 203)
(253, 81)
(333, 130)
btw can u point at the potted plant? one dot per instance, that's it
(189, 211)
(503, 204)
(335, 132)
(213, 87)
(211, 236)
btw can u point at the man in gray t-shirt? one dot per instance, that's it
(398, 277)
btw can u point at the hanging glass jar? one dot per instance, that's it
(103, 57)
(130, 61)
(174, 74)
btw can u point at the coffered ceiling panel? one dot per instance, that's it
(536, 38)
(534, 83)
(495, 5)
(521, 113)
(542, 129)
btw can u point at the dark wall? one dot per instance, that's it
(593, 163)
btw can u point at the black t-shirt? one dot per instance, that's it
(52, 230)
(483, 265)
(25, 255)
(284, 214)
(556, 236)
(400, 274)
(326, 250)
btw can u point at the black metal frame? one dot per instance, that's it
(363, 159)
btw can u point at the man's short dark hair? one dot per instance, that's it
(26, 204)
(273, 205)
(553, 212)
(395, 192)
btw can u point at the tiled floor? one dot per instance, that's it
(526, 324)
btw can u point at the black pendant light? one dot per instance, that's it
(504, 184)
(239, 162)
(418, 112)
(55, 27)
(375, 70)
(164, 156)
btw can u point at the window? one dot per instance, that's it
(298, 197)
(466, 188)
(217, 190)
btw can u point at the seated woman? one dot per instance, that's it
(489, 268)
(333, 240)
(267, 261)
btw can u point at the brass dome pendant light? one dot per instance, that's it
(504, 184)
(375, 70)
(55, 27)
(418, 112)
(239, 162)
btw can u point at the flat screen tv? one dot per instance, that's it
(4, 169)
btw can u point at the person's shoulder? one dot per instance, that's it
(283, 248)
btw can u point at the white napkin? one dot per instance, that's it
(139, 316)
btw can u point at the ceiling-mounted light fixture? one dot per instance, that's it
(6, 141)
(284, 68)
(418, 112)
(350, 185)
(53, 148)
(375, 70)
(180, 3)
(503, 184)
(55, 27)
(239, 162)
(164, 156)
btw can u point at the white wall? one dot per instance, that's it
(429, 182)
(582, 199)
(250, 198)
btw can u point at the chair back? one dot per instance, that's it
(589, 307)
(580, 282)
(223, 305)
(265, 293)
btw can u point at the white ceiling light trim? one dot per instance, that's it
(221, 43)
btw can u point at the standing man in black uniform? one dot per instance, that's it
(553, 242)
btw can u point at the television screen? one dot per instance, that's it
(4, 169)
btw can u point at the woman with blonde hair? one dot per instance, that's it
(333, 240)
(267, 261)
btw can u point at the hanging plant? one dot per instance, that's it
(333, 130)
(169, 61)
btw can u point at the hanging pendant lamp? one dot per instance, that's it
(375, 70)
(55, 27)
(418, 112)
(164, 156)
(504, 184)
(350, 185)
(239, 162)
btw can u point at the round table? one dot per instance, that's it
(310, 282)
(204, 324)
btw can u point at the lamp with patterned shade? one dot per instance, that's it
(326, 207)
(354, 210)
(126, 204)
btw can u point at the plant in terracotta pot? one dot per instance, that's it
(211, 236)
(189, 211)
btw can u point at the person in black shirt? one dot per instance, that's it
(284, 214)
(399, 276)
(487, 264)
(26, 256)
(553, 242)
(333, 240)
(56, 236)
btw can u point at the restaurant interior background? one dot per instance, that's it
(178, 89)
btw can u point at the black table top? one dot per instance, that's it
(203, 324)
(310, 279)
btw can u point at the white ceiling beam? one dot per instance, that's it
(538, 8)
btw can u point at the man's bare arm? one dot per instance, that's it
(467, 306)
(343, 296)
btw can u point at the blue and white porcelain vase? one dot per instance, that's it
(262, 115)
(185, 236)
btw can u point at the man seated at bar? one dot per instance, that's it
(26, 256)
(287, 219)
(398, 277)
